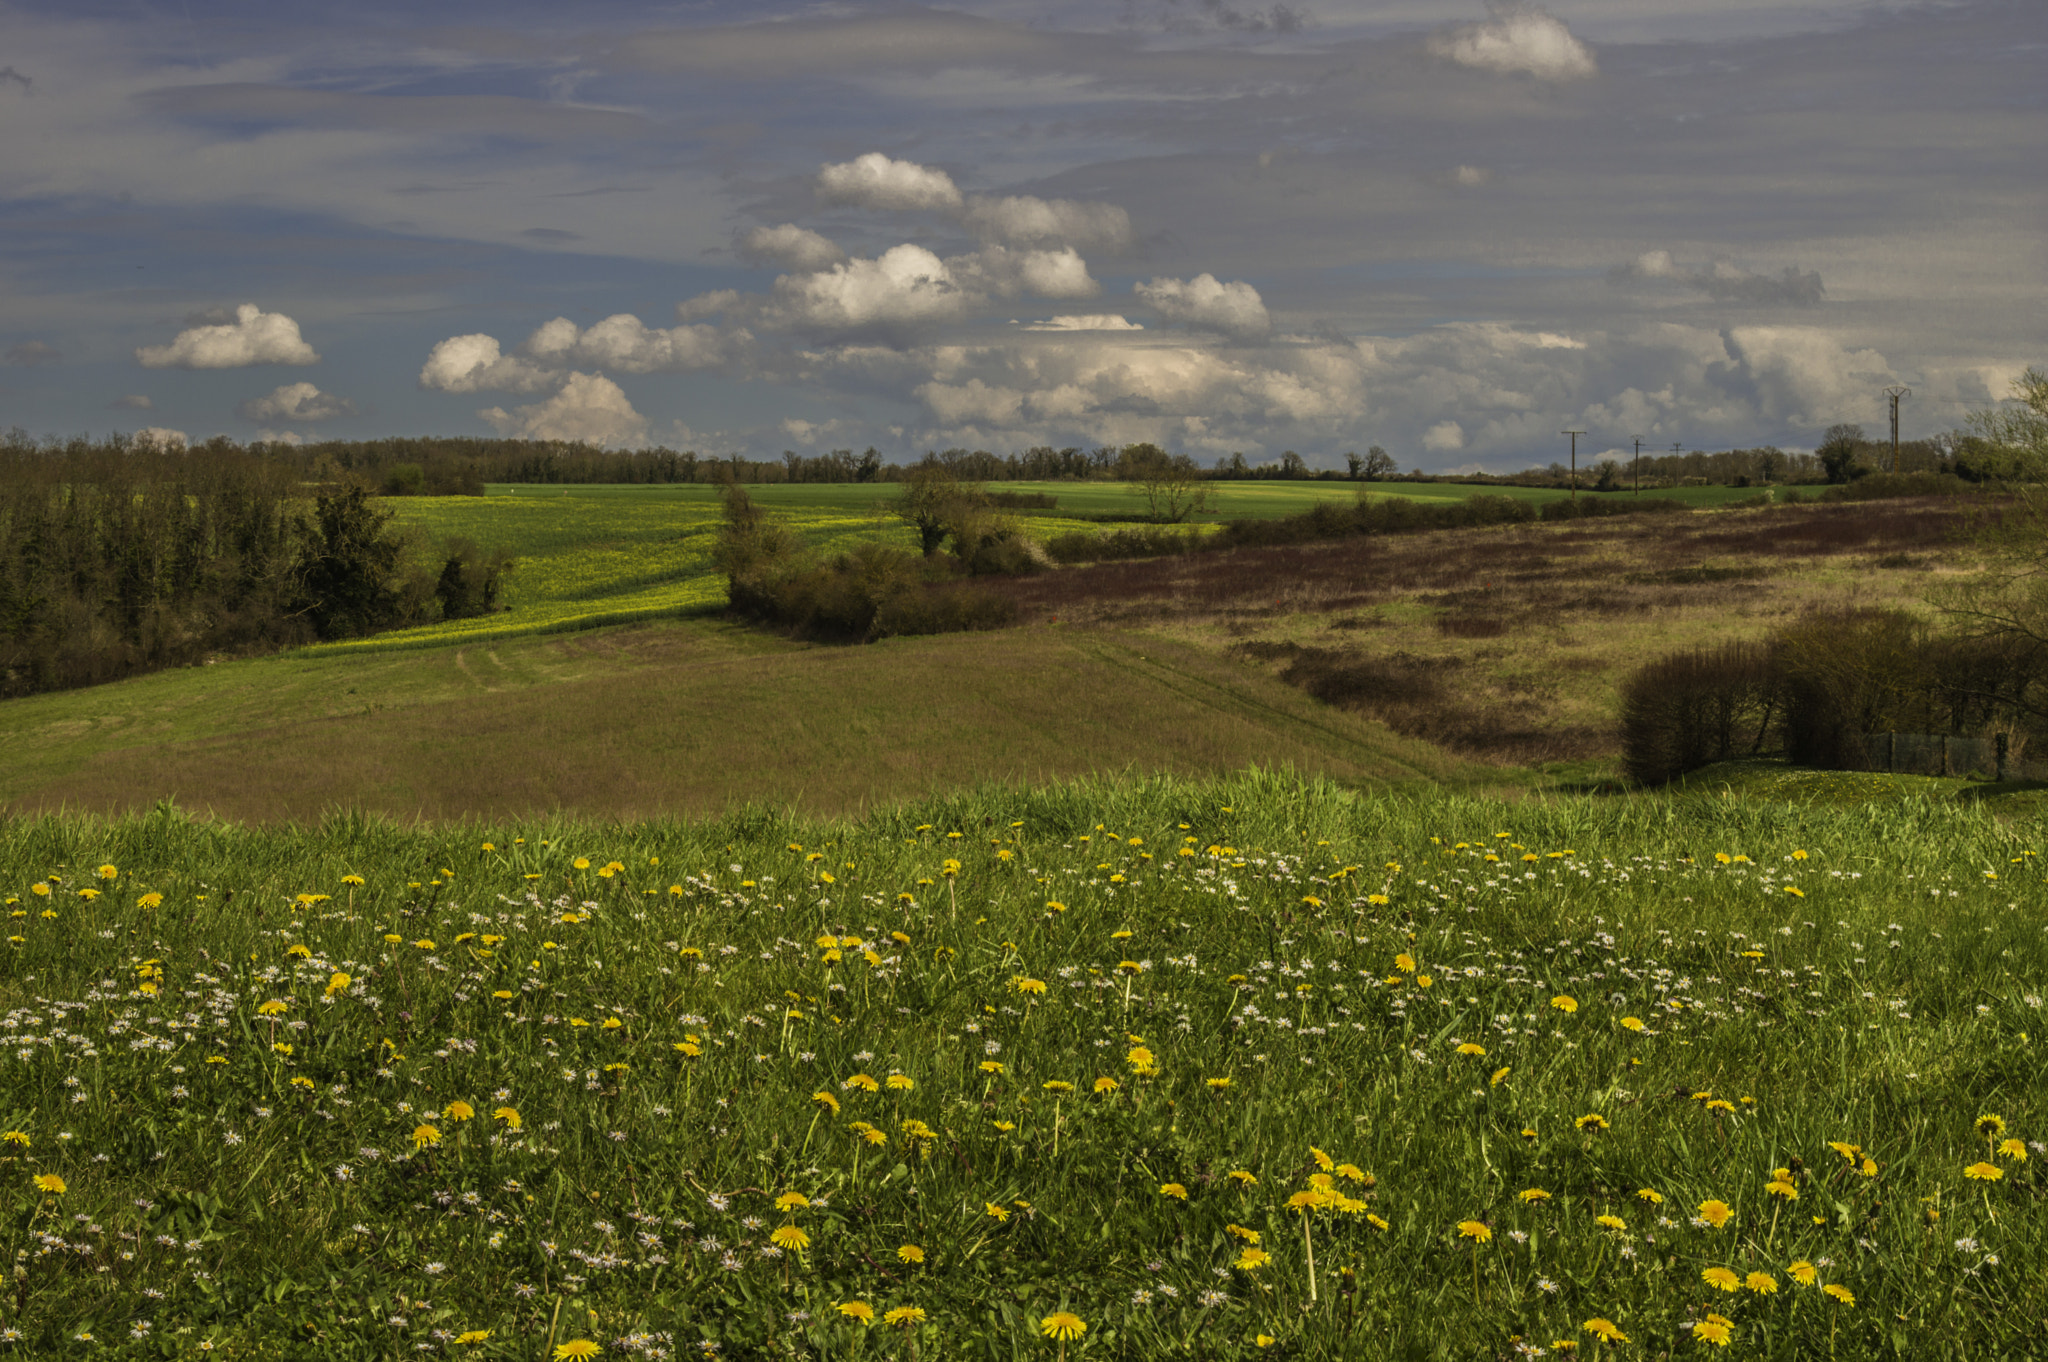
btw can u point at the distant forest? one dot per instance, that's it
(462, 465)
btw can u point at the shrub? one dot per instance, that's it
(1117, 545)
(942, 608)
(1694, 708)
(1887, 486)
(1848, 673)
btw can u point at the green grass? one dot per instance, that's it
(687, 716)
(270, 1160)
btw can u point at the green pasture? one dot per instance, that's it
(1121, 1069)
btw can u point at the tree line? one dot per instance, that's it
(117, 559)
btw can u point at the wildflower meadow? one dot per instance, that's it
(1118, 1069)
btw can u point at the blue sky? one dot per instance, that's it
(1446, 227)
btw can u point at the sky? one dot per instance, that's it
(1451, 228)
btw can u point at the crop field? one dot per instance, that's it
(1117, 1069)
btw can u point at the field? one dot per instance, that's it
(676, 717)
(598, 555)
(1510, 645)
(1119, 1069)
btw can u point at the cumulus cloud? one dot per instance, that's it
(132, 402)
(876, 181)
(1470, 177)
(904, 284)
(624, 343)
(1803, 374)
(791, 247)
(1233, 308)
(473, 363)
(1024, 220)
(708, 305)
(589, 408)
(1005, 273)
(1727, 283)
(1517, 38)
(252, 336)
(162, 437)
(300, 402)
(1442, 436)
(30, 353)
(1093, 321)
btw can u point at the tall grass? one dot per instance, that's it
(360, 1090)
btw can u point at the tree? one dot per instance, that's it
(1292, 465)
(1174, 486)
(1379, 464)
(1837, 451)
(933, 502)
(347, 567)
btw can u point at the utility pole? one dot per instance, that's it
(1639, 465)
(1895, 392)
(1575, 434)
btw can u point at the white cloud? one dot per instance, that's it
(160, 436)
(589, 408)
(1471, 176)
(1093, 321)
(791, 247)
(253, 337)
(708, 305)
(1518, 38)
(875, 181)
(301, 402)
(809, 432)
(1806, 375)
(1025, 221)
(1442, 436)
(905, 283)
(469, 364)
(1234, 308)
(624, 343)
(1005, 273)
(280, 437)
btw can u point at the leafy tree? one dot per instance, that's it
(933, 502)
(1378, 464)
(1838, 449)
(347, 565)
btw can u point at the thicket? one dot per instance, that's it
(116, 560)
(1818, 688)
(871, 591)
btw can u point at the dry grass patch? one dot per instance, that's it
(1509, 644)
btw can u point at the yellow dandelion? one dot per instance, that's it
(910, 1253)
(1763, 1283)
(1721, 1279)
(1716, 1213)
(1564, 1002)
(51, 1183)
(1604, 1330)
(1063, 1325)
(1802, 1272)
(790, 1239)
(1840, 1293)
(1984, 1172)
(1477, 1230)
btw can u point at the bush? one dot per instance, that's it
(1847, 673)
(1694, 708)
(943, 608)
(1886, 486)
(1117, 545)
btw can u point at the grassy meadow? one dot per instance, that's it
(1119, 1068)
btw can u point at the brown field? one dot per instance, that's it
(1509, 644)
(683, 718)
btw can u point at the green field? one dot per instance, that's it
(674, 717)
(1243, 1069)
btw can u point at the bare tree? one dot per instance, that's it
(1174, 485)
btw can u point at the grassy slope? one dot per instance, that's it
(682, 717)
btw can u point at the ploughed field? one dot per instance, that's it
(1124, 1069)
